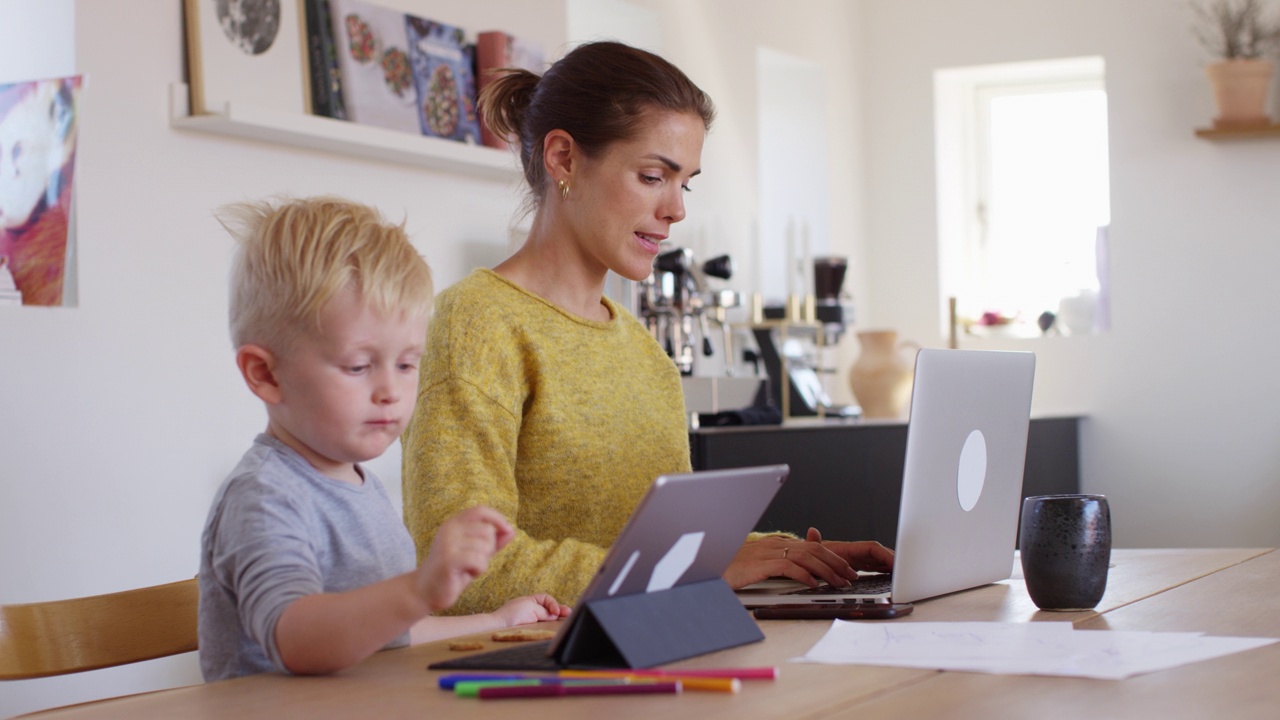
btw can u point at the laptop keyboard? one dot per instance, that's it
(876, 584)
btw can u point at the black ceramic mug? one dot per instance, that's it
(1065, 543)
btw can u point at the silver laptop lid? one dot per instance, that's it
(962, 481)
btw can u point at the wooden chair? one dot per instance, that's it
(70, 636)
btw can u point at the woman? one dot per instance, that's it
(540, 396)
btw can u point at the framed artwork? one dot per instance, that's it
(38, 129)
(373, 60)
(444, 73)
(246, 51)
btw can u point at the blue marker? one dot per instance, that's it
(447, 682)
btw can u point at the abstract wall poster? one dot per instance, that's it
(38, 128)
(246, 51)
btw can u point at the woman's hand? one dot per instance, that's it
(866, 555)
(811, 561)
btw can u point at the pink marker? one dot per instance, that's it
(752, 673)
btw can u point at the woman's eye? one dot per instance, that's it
(650, 179)
(357, 369)
(686, 188)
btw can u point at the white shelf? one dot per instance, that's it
(1272, 130)
(314, 132)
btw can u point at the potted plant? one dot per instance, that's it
(1239, 35)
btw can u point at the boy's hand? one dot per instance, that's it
(530, 609)
(459, 553)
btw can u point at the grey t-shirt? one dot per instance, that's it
(278, 531)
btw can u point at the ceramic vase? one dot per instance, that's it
(1240, 91)
(881, 377)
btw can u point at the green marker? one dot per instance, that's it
(472, 688)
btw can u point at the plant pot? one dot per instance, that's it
(1240, 91)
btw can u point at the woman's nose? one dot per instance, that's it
(673, 210)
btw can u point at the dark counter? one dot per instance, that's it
(846, 477)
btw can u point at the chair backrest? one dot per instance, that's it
(69, 636)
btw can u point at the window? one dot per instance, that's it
(1023, 195)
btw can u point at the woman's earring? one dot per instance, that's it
(564, 189)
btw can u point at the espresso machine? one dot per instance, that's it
(678, 307)
(793, 339)
(689, 317)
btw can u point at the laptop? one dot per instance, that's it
(961, 484)
(686, 530)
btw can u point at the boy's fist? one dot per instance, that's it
(459, 553)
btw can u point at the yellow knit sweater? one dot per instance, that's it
(558, 422)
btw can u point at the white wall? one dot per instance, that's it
(42, 45)
(721, 57)
(792, 153)
(1181, 394)
(120, 417)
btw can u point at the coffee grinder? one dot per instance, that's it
(792, 339)
(832, 308)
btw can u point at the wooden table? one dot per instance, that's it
(1217, 591)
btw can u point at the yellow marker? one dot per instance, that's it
(704, 684)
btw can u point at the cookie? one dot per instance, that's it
(522, 635)
(462, 645)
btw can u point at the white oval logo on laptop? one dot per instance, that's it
(972, 473)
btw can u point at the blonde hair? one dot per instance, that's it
(295, 255)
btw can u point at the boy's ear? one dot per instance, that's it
(258, 368)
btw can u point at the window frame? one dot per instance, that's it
(963, 98)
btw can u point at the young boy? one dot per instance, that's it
(305, 565)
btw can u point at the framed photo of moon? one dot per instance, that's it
(248, 52)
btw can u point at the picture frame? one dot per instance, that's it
(444, 73)
(39, 127)
(367, 36)
(247, 51)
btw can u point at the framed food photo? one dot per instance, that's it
(444, 72)
(246, 51)
(373, 60)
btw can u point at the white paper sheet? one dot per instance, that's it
(1036, 648)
